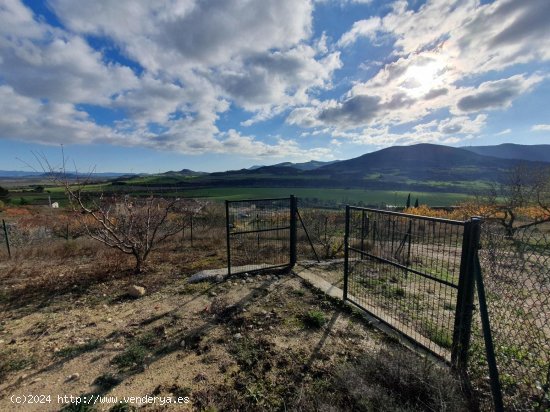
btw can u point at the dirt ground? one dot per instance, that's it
(68, 328)
(180, 340)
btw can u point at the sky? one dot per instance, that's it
(212, 85)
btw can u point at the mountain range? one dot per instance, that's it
(538, 152)
(420, 167)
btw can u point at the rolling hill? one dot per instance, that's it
(421, 167)
(311, 165)
(536, 153)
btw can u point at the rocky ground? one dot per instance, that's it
(70, 327)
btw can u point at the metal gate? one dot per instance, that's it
(415, 274)
(261, 234)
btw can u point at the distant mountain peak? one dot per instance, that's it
(534, 153)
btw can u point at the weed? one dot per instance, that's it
(298, 292)
(252, 354)
(314, 319)
(134, 355)
(440, 336)
(195, 288)
(11, 362)
(397, 379)
(396, 291)
(180, 392)
(514, 352)
(106, 381)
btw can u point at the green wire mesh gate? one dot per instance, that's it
(261, 234)
(415, 274)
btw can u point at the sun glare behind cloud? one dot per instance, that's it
(420, 78)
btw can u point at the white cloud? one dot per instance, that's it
(28, 119)
(503, 132)
(45, 63)
(446, 131)
(362, 28)
(541, 128)
(194, 59)
(182, 33)
(437, 49)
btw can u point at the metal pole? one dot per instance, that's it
(465, 296)
(489, 348)
(409, 235)
(346, 254)
(7, 237)
(228, 238)
(307, 234)
(392, 235)
(191, 229)
(293, 209)
(362, 233)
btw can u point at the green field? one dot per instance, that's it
(343, 196)
(309, 195)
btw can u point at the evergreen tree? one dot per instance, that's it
(416, 203)
(4, 194)
(408, 201)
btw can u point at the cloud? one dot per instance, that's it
(188, 62)
(497, 94)
(45, 63)
(28, 119)
(437, 49)
(446, 131)
(541, 128)
(503, 132)
(280, 79)
(163, 35)
(362, 28)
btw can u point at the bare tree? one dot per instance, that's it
(521, 200)
(133, 225)
(324, 227)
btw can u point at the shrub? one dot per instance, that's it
(314, 319)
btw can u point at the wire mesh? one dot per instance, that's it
(404, 269)
(259, 234)
(516, 273)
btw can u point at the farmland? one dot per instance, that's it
(328, 196)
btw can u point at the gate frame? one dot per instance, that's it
(293, 210)
(465, 288)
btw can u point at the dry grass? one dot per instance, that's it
(264, 342)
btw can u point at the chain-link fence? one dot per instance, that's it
(516, 274)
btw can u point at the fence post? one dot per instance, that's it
(228, 238)
(293, 229)
(191, 230)
(362, 233)
(465, 296)
(409, 235)
(346, 254)
(7, 237)
(488, 338)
